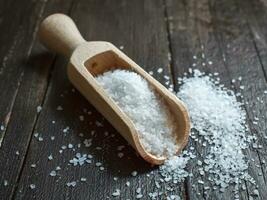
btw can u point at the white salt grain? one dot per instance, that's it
(160, 70)
(71, 184)
(134, 173)
(83, 179)
(174, 168)
(132, 93)
(59, 108)
(5, 182)
(116, 193)
(50, 157)
(33, 165)
(38, 109)
(220, 119)
(53, 173)
(32, 186)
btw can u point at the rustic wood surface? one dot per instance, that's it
(164, 33)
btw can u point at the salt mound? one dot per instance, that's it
(148, 113)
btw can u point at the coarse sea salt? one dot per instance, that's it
(144, 107)
(219, 118)
(219, 125)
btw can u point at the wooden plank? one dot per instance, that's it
(191, 35)
(242, 60)
(139, 26)
(255, 14)
(216, 26)
(23, 84)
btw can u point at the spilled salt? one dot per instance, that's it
(220, 120)
(150, 116)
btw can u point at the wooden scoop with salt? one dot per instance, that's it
(89, 59)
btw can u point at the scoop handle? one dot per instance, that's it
(59, 33)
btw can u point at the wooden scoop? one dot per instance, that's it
(89, 59)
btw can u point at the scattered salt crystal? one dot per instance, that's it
(199, 162)
(52, 137)
(127, 184)
(5, 182)
(81, 134)
(58, 168)
(71, 184)
(81, 117)
(40, 139)
(134, 173)
(79, 160)
(50, 157)
(70, 146)
(121, 47)
(101, 168)
(65, 130)
(210, 62)
(116, 193)
(98, 124)
(53, 173)
(174, 168)
(120, 155)
(160, 70)
(138, 190)
(17, 153)
(32, 186)
(131, 92)
(2, 127)
(139, 196)
(194, 57)
(33, 165)
(59, 108)
(83, 179)
(38, 109)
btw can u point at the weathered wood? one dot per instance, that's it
(215, 26)
(140, 27)
(90, 59)
(23, 85)
(242, 60)
(191, 35)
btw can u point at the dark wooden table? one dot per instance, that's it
(155, 33)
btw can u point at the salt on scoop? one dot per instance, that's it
(144, 107)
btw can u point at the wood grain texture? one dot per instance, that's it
(231, 34)
(218, 29)
(29, 72)
(142, 32)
